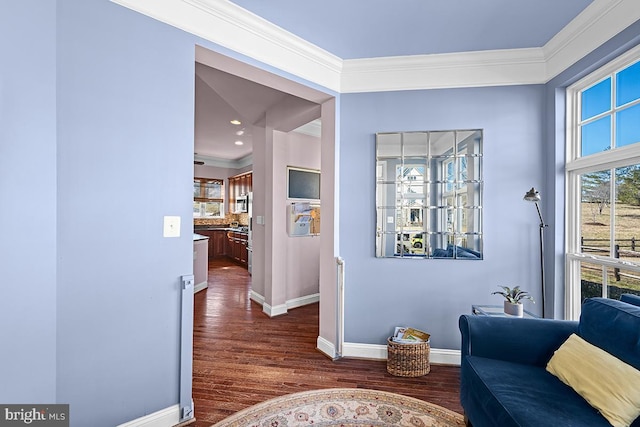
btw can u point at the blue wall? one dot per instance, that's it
(27, 201)
(125, 147)
(431, 294)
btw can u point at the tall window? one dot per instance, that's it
(208, 198)
(603, 183)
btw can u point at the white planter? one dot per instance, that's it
(513, 309)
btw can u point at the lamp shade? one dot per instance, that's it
(532, 195)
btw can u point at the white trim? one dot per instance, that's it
(598, 23)
(326, 347)
(225, 163)
(235, 28)
(277, 310)
(466, 69)
(200, 286)
(256, 297)
(283, 308)
(163, 418)
(229, 25)
(439, 356)
(301, 301)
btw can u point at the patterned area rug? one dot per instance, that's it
(344, 407)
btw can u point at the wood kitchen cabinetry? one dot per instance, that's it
(237, 247)
(239, 185)
(217, 242)
(227, 243)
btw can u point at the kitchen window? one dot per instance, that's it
(603, 183)
(208, 198)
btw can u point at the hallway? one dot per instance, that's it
(243, 357)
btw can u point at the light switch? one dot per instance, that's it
(389, 220)
(260, 220)
(171, 226)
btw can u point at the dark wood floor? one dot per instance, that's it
(242, 357)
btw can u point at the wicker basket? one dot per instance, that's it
(408, 360)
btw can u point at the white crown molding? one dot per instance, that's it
(225, 163)
(235, 28)
(229, 25)
(597, 24)
(465, 69)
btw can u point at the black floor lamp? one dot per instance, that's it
(534, 196)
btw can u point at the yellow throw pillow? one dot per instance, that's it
(606, 382)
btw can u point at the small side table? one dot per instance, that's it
(497, 311)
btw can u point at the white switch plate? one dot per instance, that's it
(171, 226)
(260, 220)
(389, 220)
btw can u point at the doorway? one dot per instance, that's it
(311, 103)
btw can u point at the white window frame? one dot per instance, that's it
(577, 166)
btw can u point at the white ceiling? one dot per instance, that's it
(365, 29)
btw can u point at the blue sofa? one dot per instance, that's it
(503, 378)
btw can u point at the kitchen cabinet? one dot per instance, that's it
(217, 242)
(239, 185)
(237, 247)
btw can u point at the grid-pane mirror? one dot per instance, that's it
(429, 194)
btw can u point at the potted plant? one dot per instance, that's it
(513, 299)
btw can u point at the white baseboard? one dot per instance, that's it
(306, 300)
(167, 417)
(283, 308)
(326, 347)
(256, 297)
(277, 310)
(440, 356)
(200, 286)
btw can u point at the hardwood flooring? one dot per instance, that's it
(243, 357)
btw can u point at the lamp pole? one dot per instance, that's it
(534, 196)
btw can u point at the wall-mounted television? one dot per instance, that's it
(303, 183)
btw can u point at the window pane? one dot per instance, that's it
(213, 209)
(596, 136)
(622, 281)
(213, 190)
(196, 210)
(627, 213)
(597, 99)
(595, 213)
(590, 280)
(628, 84)
(628, 126)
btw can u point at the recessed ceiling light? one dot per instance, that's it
(240, 132)
(236, 122)
(239, 143)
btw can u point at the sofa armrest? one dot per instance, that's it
(528, 341)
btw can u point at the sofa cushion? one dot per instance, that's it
(500, 393)
(613, 326)
(607, 383)
(630, 299)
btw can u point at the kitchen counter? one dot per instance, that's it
(197, 237)
(242, 230)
